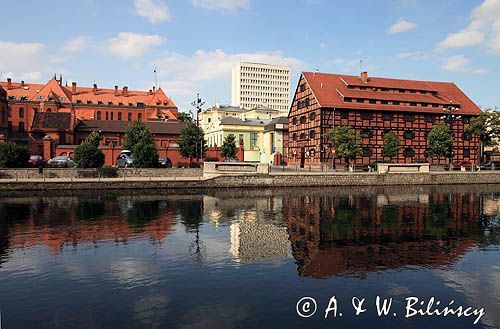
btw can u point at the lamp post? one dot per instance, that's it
(451, 117)
(198, 105)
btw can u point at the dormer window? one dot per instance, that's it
(99, 102)
(23, 98)
(89, 102)
(39, 97)
(78, 101)
(12, 98)
(62, 98)
(140, 104)
(110, 103)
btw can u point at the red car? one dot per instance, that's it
(36, 161)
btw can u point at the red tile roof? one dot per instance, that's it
(168, 128)
(52, 120)
(54, 91)
(331, 89)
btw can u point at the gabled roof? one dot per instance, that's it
(85, 95)
(52, 120)
(168, 128)
(331, 91)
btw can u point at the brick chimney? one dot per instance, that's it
(22, 83)
(116, 90)
(125, 91)
(73, 87)
(9, 83)
(95, 89)
(364, 76)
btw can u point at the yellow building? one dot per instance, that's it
(248, 126)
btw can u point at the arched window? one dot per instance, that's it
(21, 112)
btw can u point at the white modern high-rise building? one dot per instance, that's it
(255, 85)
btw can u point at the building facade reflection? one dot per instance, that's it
(358, 234)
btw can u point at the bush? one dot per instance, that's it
(88, 155)
(182, 165)
(145, 155)
(13, 156)
(194, 165)
(108, 172)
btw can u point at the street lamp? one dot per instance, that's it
(451, 117)
(198, 105)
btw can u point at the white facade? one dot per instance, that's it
(255, 85)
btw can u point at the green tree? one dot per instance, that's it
(145, 155)
(392, 145)
(191, 142)
(439, 141)
(345, 141)
(184, 117)
(13, 156)
(486, 127)
(229, 148)
(88, 155)
(94, 138)
(137, 132)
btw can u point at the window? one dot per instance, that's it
(366, 133)
(395, 103)
(241, 139)
(367, 152)
(294, 120)
(408, 152)
(303, 119)
(302, 136)
(408, 117)
(347, 100)
(253, 141)
(466, 120)
(302, 87)
(387, 116)
(429, 118)
(466, 137)
(360, 100)
(413, 104)
(98, 115)
(120, 116)
(366, 116)
(344, 114)
(312, 133)
(307, 101)
(312, 116)
(129, 116)
(21, 112)
(294, 136)
(107, 116)
(139, 117)
(372, 101)
(21, 126)
(466, 153)
(9, 112)
(384, 102)
(409, 135)
(426, 135)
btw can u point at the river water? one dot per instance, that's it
(244, 258)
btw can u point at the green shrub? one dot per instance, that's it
(145, 155)
(194, 165)
(87, 155)
(107, 172)
(13, 156)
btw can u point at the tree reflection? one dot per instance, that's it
(190, 213)
(10, 214)
(141, 212)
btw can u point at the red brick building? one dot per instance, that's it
(375, 106)
(3, 113)
(37, 110)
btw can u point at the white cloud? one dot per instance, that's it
(154, 11)
(460, 64)
(77, 44)
(323, 45)
(401, 26)
(17, 55)
(23, 76)
(223, 5)
(483, 29)
(415, 55)
(209, 72)
(130, 45)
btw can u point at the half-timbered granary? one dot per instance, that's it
(375, 106)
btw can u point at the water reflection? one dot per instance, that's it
(162, 260)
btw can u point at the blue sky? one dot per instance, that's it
(195, 42)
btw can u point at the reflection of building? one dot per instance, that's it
(258, 241)
(346, 235)
(255, 85)
(373, 107)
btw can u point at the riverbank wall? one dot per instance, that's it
(196, 181)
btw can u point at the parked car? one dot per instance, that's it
(61, 162)
(164, 163)
(125, 159)
(457, 165)
(490, 165)
(36, 161)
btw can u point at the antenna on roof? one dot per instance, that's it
(156, 78)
